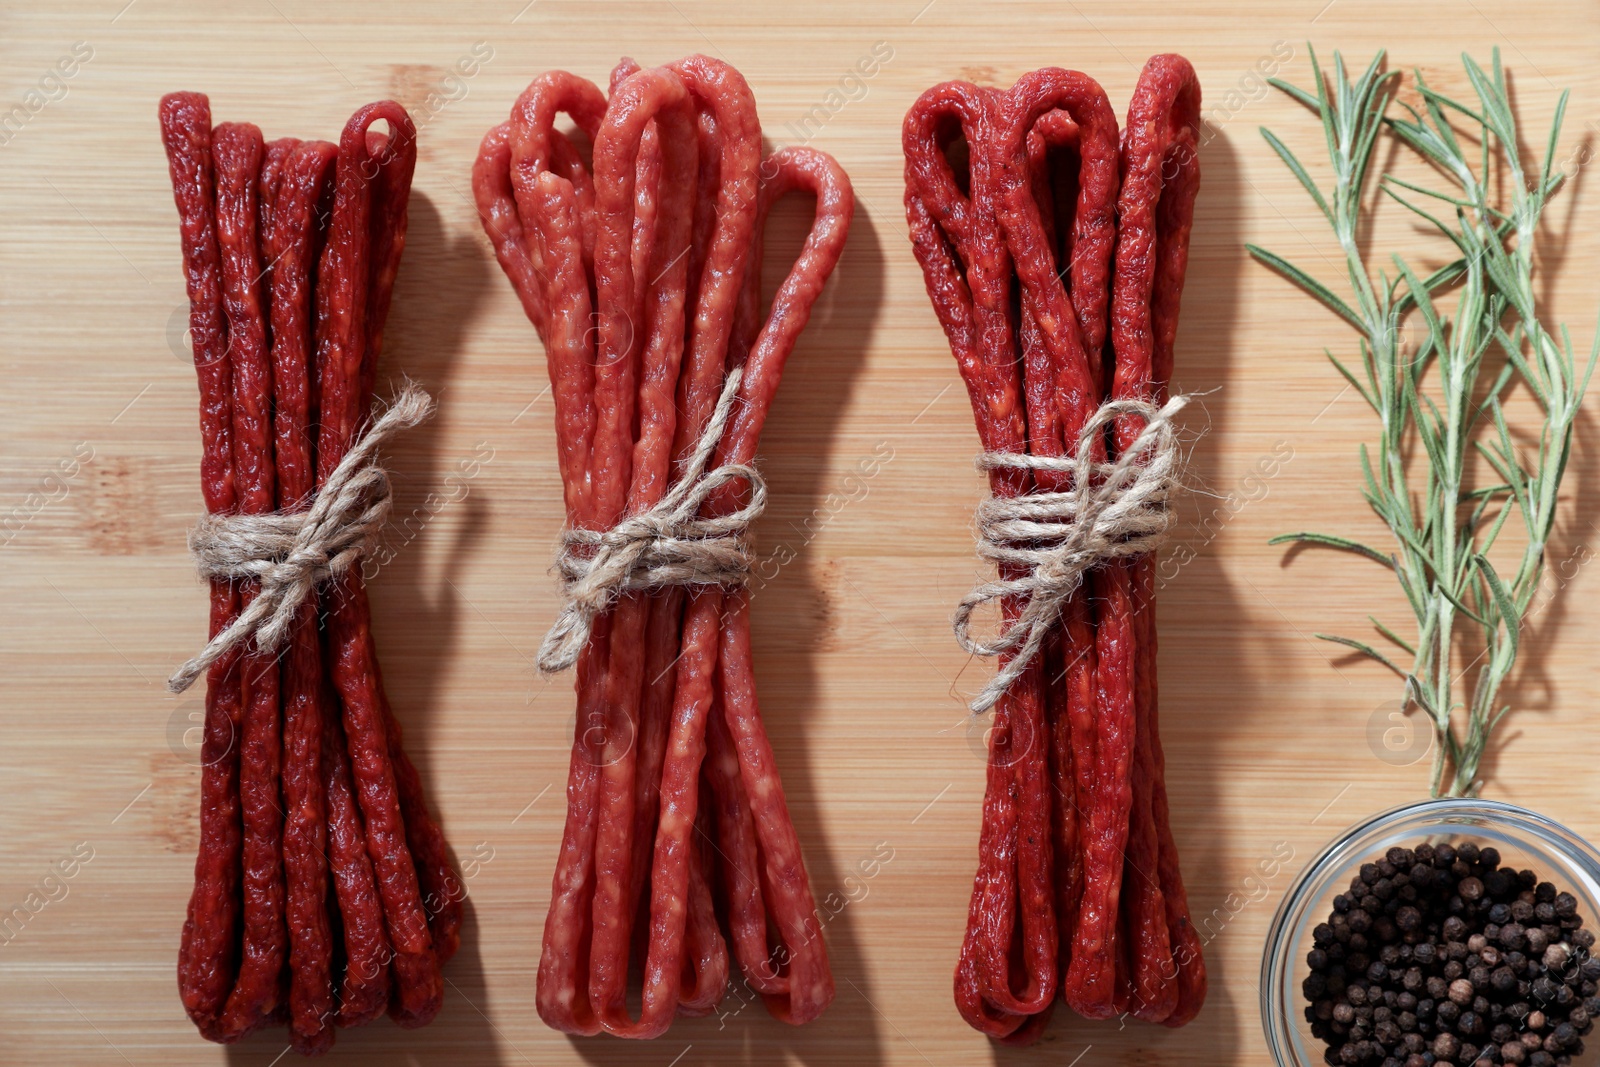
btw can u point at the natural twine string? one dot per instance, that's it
(291, 553)
(665, 545)
(1114, 510)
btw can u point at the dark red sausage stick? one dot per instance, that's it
(237, 150)
(1161, 169)
(207, 956)
(305, 178)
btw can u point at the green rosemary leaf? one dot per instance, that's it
(1297, 170)
(1496, 108)
(1435, 102)
(1351, 378)
(1390, 179)
(1460, 605)
(1510, 618)
(1513, 350)
(1448, 231)
(1324, 109)
(1295, 91)
(1513, 471)
(1545, 169)
(1391, 635)
(1408, 536)
(1308, 283)
(1423, 300)
(1331, 541)
(1487, 492)
(1363, 648)
(1370, 101)
(1503, 467)
(1419, 607)
(1588, 371)
(1502, 380)
(1488, 539)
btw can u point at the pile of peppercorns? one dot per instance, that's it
(1438, 954)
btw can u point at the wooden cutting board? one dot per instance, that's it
(1274, 741)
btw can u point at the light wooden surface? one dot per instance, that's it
(1270, 738)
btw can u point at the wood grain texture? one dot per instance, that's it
(1269, 734)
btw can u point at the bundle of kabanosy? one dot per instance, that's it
(673, 795)
(290, 250)
(1054, 256)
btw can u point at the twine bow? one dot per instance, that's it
(665, 545)
(291, 553)
(1114, 510)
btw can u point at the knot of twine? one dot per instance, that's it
(291, 553)
(1114, 510)
(664, 545)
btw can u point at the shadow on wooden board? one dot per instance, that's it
(442, 281)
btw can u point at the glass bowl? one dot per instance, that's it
(1525, 840)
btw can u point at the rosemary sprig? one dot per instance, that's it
(1443, 529)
